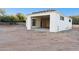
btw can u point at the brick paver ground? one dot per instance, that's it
(17, 38)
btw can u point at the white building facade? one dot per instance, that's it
(51, 20)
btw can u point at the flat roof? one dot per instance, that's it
(43, 11)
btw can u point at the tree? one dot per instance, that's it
(21, 17)
(2, 11)
(75, 19)
(9, 19)
(12, 19)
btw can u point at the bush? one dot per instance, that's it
(14, 19)
(21, 17)
(75, 20)
(9, 19)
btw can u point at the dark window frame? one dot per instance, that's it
(61, 18)
(33, 22)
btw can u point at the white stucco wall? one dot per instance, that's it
(29, 23)
(62, 24)
(53, 24)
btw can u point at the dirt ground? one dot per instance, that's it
(17, 38)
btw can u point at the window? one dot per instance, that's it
(69, 20)
(61, 18)
(33, 22)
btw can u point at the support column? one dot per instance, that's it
(52, 23)
(29, 23)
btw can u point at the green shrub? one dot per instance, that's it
(21, 17)
(75, 20)
(9, 19)
(13, 19)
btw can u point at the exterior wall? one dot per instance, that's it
(53, 24)
(62, 24)
(28, 23)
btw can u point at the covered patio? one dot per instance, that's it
(40, 22)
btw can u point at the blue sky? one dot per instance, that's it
(65, 11)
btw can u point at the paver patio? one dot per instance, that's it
(17, 38)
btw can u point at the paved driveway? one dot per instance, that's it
(17, 38)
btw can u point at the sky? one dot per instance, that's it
(65, 11)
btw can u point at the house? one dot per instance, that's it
(48, 19)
